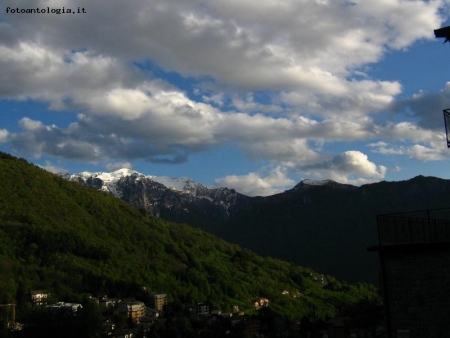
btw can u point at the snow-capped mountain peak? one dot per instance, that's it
(108, 177)
(315, 182)
(158, 194)
(180, 183)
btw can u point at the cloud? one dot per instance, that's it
(167, 126)
(4, 134)
(435, 151)
(248, 44)
(153, 120)
(411, 140)
(85, 141)
(422, 153)
(305, 59)
(359, 99)
(426, 107)
(351, 167)
(253, 184)
(30, 125)
(296, 150)
(249, 105)
(407, 131)
(53, 168)
(59, 77)
(118, 165)
(215, 98)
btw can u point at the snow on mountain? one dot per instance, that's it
(162, 195)
(177, 199)
(109, 181)
(314, 182)
(181, 184)
(108, 177)
(184, 184)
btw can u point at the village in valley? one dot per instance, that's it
(129, 317)
(152, 314)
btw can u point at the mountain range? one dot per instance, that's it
(72, 240)
(322, 224)
(175, 199)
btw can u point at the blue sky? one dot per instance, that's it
(253, 95)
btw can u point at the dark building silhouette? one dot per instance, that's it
(414, 252)
(443, 32)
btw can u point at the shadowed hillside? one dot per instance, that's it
(329, 226)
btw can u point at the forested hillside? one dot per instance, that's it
(69, 239)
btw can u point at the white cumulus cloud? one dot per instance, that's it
(118, 165)
(351, 167)
(4, 135)
(254, 184)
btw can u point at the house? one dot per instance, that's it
(260, 302)
(159, 301)
(105, 302)
(320, 279)
(147, 321)
(39, 297)
(62, 306)
(203, 308)
(132, 309)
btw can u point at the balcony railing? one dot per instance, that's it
(425, 226)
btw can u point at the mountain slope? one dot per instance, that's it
(329, 226)
(322, 224)
(69, 239)
(173, 199)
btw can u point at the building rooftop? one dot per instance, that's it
(418, 227)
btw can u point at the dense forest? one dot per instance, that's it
(73, 241)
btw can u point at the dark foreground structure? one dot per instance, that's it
(414, 252)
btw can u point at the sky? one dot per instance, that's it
(251, 95)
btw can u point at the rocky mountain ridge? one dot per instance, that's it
(322, 224)
(177, 199)
(163, 195)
